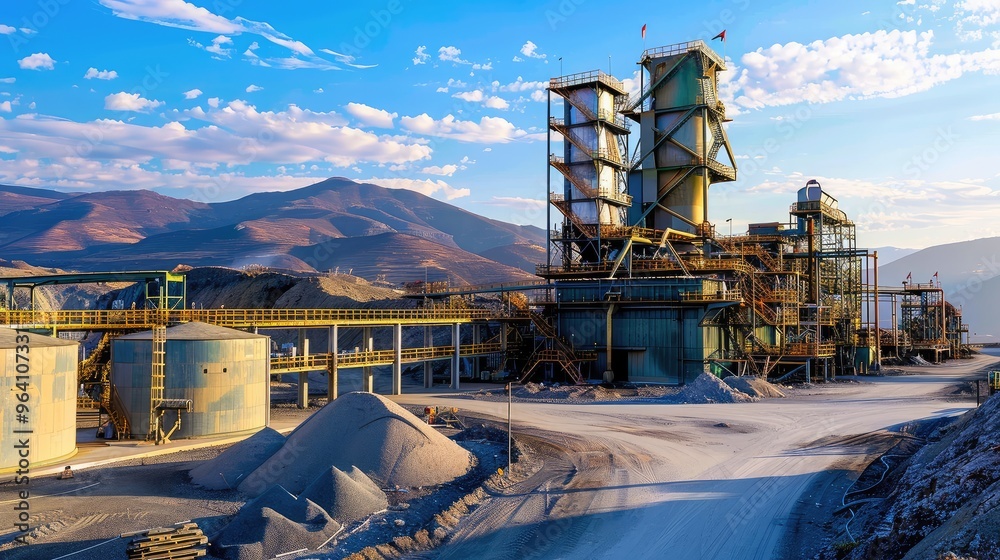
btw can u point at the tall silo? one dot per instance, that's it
(683, 147)
(223, 372)
(43, 368)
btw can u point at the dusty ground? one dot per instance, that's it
(607, 480)
(643, 480)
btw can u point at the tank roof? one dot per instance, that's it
(194, 331)
(8, 339)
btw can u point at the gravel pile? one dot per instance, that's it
(709, 389)
(232, 465)
(754, 386)
(370, 432)
(274, 523)
(346, 498)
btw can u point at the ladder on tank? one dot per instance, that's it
(157, 379)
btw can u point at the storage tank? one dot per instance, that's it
(223, 372)
(49, 367)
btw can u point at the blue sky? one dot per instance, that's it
(891, 106)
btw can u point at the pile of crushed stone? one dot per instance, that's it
(367, 431)
(274, 523)
(754, 386)
(709, 389)
(229, 468)
(347, 497)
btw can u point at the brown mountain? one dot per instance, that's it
(334, 223)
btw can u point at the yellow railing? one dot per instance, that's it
(236, 318)
(316, 362)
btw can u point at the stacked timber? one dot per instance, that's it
(184, 541)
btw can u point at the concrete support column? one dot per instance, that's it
(808, 370)
(367, 377)
(456, 340)
(331, 366)
(397, 359)
(303, 400)
(428, 365)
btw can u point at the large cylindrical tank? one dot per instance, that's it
(49, 367)
(224, 372)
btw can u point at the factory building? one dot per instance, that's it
(645, 288)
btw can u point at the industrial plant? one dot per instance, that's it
(639, 286)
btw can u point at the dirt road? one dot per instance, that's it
(692, 481)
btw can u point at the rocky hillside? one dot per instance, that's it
(335, 223)
(946, 501)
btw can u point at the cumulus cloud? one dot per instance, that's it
(452, 54)
(880, 64)
(474, 96)
(443, 170)
(425, 187)
(5, 107)
(6, 29)
(488, 130)
(371, 116)
(420, 56)
(520, 85)
(123, 101)
(216, 47)
(530, 50)
(94, 73)
(253, 87)
(192, 93)
(213, 102)
(494, 102)
(37, 61)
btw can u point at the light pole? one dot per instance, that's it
(730, 220)
(560, 67)
(509, 399)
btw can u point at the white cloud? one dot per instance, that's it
(7, 80)
(93, 73)
(318, 90)
(989, 117)
(112, 152)
(27, 30)
(213, 102)
(371, 116)
(253, 87)
(474, 96)
(5, 107)
(495, 102)
(420, 55)
(217, 48)
(530, 50)
(347, 59)
(192, 93)
(37, 61)
(442, 89)
(488, 130)
(6, 29)
(881, 64)
(485, 66)
(517, 59)
(445, 170)
(539, 96)
(184, 15)
(521, 85)
(426, 187)
(452, 54)
(123, 101)
(452, 82)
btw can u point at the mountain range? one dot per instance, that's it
(397, 234)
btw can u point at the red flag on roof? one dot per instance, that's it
(721, 35)
(644, 31)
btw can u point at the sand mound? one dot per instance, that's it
(359, 476)
(231, 466)
(344, 498)
(268, 534)
(370, 432)
(754, 386)
(710, 389)
(273, 523)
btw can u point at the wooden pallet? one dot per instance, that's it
(184, 541)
